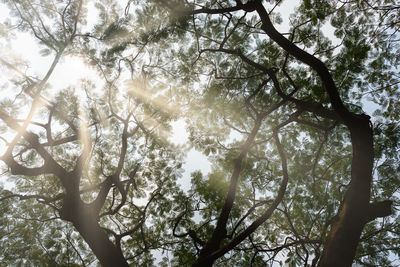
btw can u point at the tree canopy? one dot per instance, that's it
(297, 112)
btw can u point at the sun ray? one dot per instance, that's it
(84, 138)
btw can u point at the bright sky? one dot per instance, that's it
(71, 69)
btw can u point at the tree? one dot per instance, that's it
(70, 153)
(304, 178)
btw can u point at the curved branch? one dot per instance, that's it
(308, 59)
(249, 230)
(249, 7)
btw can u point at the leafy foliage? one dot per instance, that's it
(97, 155)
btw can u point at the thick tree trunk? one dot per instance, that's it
(102, 247)
(200, 263)
(356, 210)
(343, 238)
(85, 221)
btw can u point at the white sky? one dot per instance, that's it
(71, 69)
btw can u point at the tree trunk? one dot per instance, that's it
(102, 247)
(85, 221)
(200, 263)
(356, 210)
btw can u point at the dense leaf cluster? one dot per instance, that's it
(93, 177)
